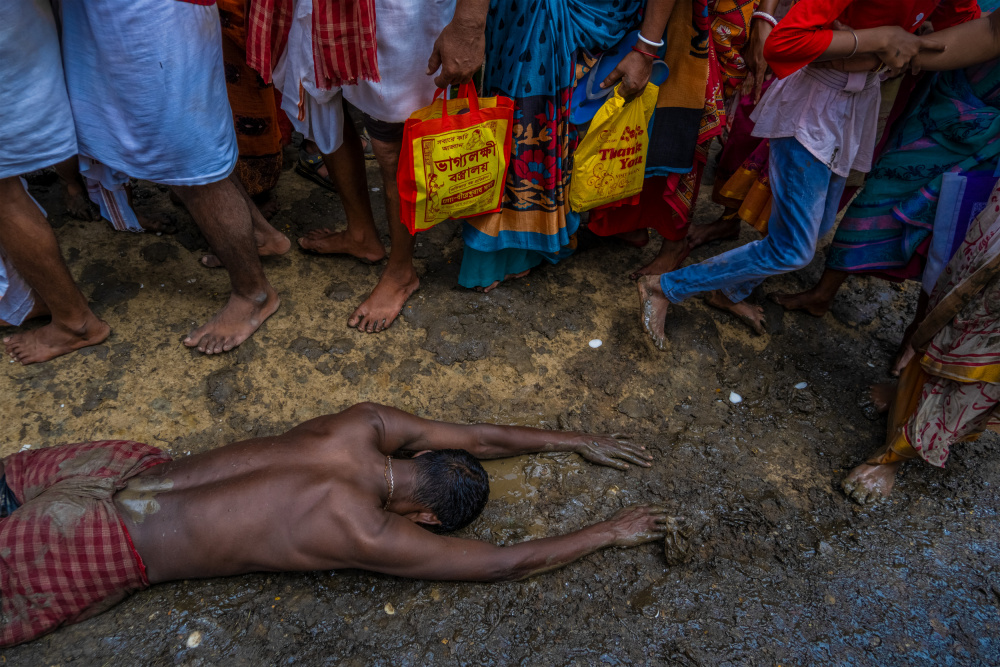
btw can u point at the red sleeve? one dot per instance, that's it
(953, 12)
(803, 35)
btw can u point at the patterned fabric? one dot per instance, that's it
(65, 554)
(741, 180)
(531, 53)
(955, 128)
(689, 114)
(255, 113)
(8, 503)
(730, 32)
(952, 392)
(344, 48)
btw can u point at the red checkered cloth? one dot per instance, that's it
(343, 39)
(65, 554)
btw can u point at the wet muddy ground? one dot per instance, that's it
(784, 570)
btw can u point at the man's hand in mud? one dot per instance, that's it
(459, 51)
(633, 71)
(757, 69)
(614, 451)
(637, 525)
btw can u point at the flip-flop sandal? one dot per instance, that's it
(308, 167)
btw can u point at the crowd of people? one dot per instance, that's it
(888, 109)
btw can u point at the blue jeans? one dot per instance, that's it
(806, 197)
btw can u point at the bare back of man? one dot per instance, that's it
(314, 498)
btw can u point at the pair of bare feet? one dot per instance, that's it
(653, 308)
(398, 281)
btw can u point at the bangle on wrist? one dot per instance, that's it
(856, 43)
(651, 56)
(764, 16)
(655, 45)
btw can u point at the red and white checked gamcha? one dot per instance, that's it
(343, 36)
(65, 554)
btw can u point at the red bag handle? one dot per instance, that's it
(468, 90)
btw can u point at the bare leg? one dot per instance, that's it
(726, 227)
(346, 167)
(399, 279)
(270, 241)
(670, 257)
(32, 248)
(752, 316)
(653, 308)
(869, 483)
(817, 300)
(75, 197)
(223, 215)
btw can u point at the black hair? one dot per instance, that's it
(452, 484)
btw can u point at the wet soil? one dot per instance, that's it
(783, 569)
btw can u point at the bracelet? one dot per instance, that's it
(766, 17)
(651, 56)
(655, 45)
(855, 46)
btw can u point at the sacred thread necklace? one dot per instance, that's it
(390, 483)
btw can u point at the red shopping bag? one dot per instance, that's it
(454, 159)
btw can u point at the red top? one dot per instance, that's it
(804, 34)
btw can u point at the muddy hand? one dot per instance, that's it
(637, 525)
(614, 451)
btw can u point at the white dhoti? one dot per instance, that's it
(405, 30)
(36, 123)
(148, 90)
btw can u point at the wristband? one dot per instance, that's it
(651, 56)
(655, 45)
(764, 16)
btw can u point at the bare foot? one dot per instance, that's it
(653, 308)
(367, 247)
(751, 315)
(78, 204)
(382, 306)
(234, 323)
(156, 225)
(905, 356)
(670, 257)
(881, 395)
(810, 301)
(726, 228)
(496, 283)
(870, 483)
(637, 238)
(270, 243)
(55, 339)
(268, 208)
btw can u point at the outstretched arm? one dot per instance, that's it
(965, 45)
(402, 548)
(403, 431)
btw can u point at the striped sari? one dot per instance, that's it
(954, 128)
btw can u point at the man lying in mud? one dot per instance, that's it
(87, 524)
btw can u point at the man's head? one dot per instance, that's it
(452, 484)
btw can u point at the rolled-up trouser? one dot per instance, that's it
(806, 196)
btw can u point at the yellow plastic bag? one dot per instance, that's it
(452, 164)
(610, 161)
